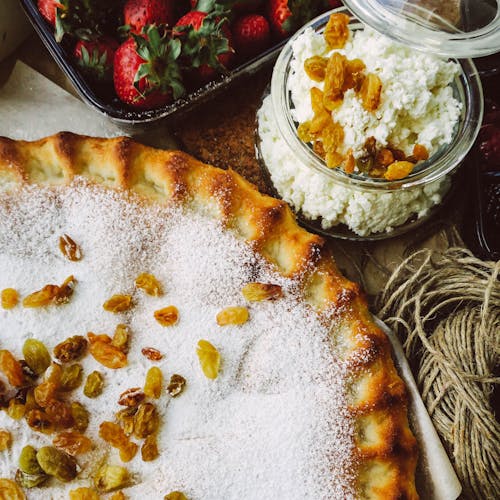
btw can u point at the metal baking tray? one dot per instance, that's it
(102, 98)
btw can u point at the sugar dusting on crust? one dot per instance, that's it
(272, 425)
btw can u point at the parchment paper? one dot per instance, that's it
(31, 107)
(436, 478)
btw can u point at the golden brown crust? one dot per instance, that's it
(385, 447)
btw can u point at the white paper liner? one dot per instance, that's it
(32, 107)
(436, 478)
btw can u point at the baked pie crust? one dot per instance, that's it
(385, 448)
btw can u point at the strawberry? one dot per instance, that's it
(206, 44)
(241, 6)
(95, 58)
(286, 16)
(48, 10)
(85, 19)
(333, 4)
(251, 35)
(140, 13)
(146, 73)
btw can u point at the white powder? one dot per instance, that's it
(417, 104)
(272, 425)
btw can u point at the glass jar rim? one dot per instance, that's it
(440, 164)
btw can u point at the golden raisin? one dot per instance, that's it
(256, 292)
(333, 159)
(149, 284)
(209, 358)
(349, 163)
(69, 248)
(167, 316)
(121, 337)
(42, 297)
(398, 170)
(36, 355)
(151, 353)
(176, 385)
(16, 410)
(11, 367)
(128, 451)
(45, 393)
(125, 418)
(334, 81)
(39, 421)
(153, 383)
(316, 96)
(332, 136)
(118, 303)
(370, 92)
(9, 490)
(83, 494)
(71, 349)
(149, 449)
(353, 75)
(111, 477)
(420, 152)
(337, 31)
(57, 463)
(71, 377)
(131, 397)
(72, 442)
(119, 495)
(5, 439)
(65, 291)
(113, 434)
(93, 385)
(146, 420)
(108, 354)
(9, 298)
(28, 462)
(304, 132)
(60, 414)
(315, 67)
(384, 157)
(232, 316)
(80, 416)
(175, 495)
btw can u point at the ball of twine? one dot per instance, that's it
(445, 308)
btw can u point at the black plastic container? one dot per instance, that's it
(103, 99)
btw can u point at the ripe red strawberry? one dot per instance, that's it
(146, 74)
(251, 35)
(286, 16)
(48, 9)
(85, 19)
(95, 58)
(140, 13)
(206, 44)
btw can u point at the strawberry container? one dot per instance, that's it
(102, 97)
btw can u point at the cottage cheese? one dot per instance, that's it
(417, 106)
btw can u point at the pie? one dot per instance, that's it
(276, 381)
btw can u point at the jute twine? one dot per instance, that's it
(445, 307)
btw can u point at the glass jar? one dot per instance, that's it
(355, 206)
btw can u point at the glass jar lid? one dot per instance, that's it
(451, 28)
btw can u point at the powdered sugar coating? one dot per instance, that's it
(272, 425)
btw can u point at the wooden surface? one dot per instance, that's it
(222, 133)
